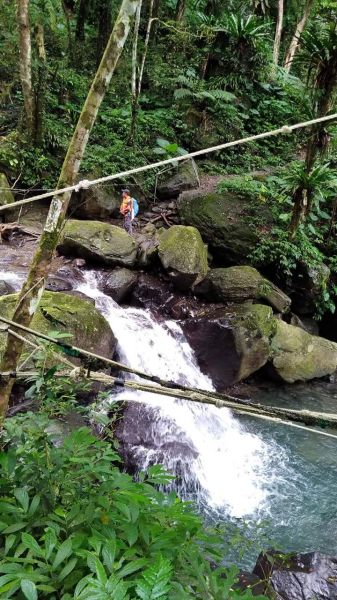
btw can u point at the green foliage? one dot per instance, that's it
(73, 525)
(247, 187)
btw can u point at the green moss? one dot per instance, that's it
(98, 241)
(67, 314)
(182, 249)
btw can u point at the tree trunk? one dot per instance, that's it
(296, 38)
(82, 15)
(104, 28)
(180, 10)
(300, 199)
(40, 89)
(26, 62)
(32, 289)
(67, 13)
(134, 83)
(278, 33)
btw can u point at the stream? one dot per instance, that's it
(233, 468)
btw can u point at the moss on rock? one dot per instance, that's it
(228, 221)
(98, 242)
(241, 283)
(299, 356)
(67, 314)
(184, 255)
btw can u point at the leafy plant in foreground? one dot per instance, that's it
(73, 526)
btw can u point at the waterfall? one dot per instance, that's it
(206, 447)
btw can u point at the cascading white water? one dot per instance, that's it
(228, 466)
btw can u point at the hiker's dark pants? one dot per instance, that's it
(128, 223)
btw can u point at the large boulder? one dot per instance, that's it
(229, 222)
(67, 314)
(238, 284)
(182, 177)
(184, 255)
(99, 242)
(120, 283)
(298, 576)
(307, 286)
(298, 356)
(231, 344)
(97, 202)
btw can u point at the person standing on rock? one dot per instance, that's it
(129, 209)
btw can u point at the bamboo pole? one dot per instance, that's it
(241, 406)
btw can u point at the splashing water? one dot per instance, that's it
(212, 453)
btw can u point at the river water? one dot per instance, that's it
(235, 469)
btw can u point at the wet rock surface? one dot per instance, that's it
(311, 576)
(137, 434)
(231, 343)
(119, 284)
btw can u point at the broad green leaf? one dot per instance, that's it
(63, 552)
(22, 497)
(14, 528)
(32, 544)
(68, 568)
(29, 589)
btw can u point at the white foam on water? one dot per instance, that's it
(12, 278)
(229, 467)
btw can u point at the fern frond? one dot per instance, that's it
(155, 581)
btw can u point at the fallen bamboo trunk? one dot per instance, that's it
(244, 407)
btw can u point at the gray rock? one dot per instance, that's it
(182, 177)
(298, 576)
(299, 356)
(229, 222)
(239, 284)
(120, 283)
(5, 288)
(99, 242)
(231, 343)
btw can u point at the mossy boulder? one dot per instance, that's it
(177, 179)
(298, 356)
(231, 343)
(228, 221)
(98, 242)
(120, 283)
(97, 202)
(241, 283)
(184, 255)
(67, 314)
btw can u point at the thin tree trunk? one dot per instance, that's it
(40, 86)
(32, 289)
(296, 38)
(278, 33)
(82, 15)
(146, 45)
(26, 61)
(180, 10)
(67, 13)
(104, 28)
(135, 91)
(300, 203)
